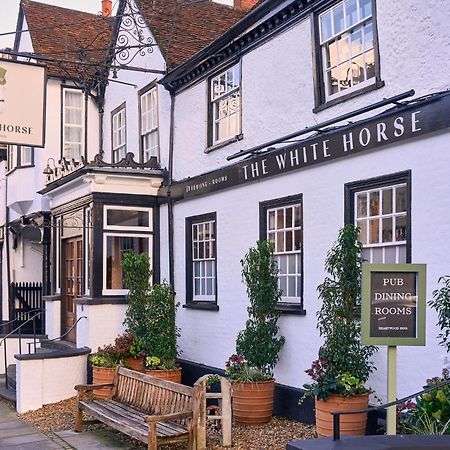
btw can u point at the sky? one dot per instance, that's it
(10, 9)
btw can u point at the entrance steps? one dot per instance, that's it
(46, 350)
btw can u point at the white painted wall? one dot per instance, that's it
(44, 381)
(12, 348)
(117, 93)
(277, 99)
(102, 325)
(53, 319)
(323, 193)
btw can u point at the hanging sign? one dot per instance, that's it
(22, 103)
(393, 304)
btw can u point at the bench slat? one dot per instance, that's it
(129, 417)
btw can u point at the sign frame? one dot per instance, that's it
(367, 270)
(41, 144)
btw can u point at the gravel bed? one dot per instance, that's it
(273, 436)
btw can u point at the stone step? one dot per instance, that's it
(62, 346)
(8, 394)
(10, 377)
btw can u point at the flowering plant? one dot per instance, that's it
(155, 363)
(123, 343)
(237, 369)
(106, 356)
(326, 383)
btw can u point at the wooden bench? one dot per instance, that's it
(146, 408)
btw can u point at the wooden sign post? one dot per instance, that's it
(393, 313)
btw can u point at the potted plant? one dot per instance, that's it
(344, 363)
(160, 341)
(258, 345)
(150, 317)
(131, 351)
(104, 364)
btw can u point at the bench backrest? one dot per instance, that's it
(151, 394)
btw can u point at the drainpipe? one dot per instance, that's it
(169, 188)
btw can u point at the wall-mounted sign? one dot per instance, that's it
(392, 126)
(393, 304)
(22, 103)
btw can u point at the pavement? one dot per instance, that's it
(16, 434)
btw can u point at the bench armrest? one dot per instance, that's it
(167, 417)
(90, 387)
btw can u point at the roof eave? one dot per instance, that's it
(253, 16)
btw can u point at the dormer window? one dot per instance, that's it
(149, 123)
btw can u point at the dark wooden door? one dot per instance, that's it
(73, 265)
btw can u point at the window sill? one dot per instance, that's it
(211, 148)
(336, 101)
(202, 306)
(290, 308)
(9, 172)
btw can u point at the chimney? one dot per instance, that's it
(244, 4)
(106, 8)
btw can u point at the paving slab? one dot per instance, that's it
(93, 440)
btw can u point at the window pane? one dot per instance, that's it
(325, 26)
(289, 241)
(280, 242)
(400, 228)
(362, 225)
(116, 247)
(297, 240)
(368, 35)
(387, 201)
(370, 64)
(374, 203)
(351, 12)
(377, 255)
(338, 18)
(282, 263)
(390, 255)
(374, 231)
(127, 218)
(357, 70)
(280, 218)
(291, 286)
(400, 199)
(361, 205)
(365, 7)
(297, 216)
(291, 265)
(271, 220)
(356, 41)
(289, 217)
(343, 47)
(387, 230)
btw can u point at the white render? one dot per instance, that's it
(44, 381)
(103, 323)
(12, 348)
(277, 99)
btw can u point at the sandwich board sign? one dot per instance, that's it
(22, 103)
(393, 304)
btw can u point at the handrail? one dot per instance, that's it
(337, 414)
(21, 315)
(68, 331)
(19, 327)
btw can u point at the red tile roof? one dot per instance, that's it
(59, 33)
(182, 29)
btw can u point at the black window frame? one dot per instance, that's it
(320, 101)
(18, 150)
(352, 188)
(114, 112)
(285, 307)
(209, 305)
(210, 145)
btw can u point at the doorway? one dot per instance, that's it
(71, 286)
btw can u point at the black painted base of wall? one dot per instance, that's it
(286, 397)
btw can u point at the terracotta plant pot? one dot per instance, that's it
(102, 375)
(253, 402)
(169, 375)
(353, 424)
(135, 363)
